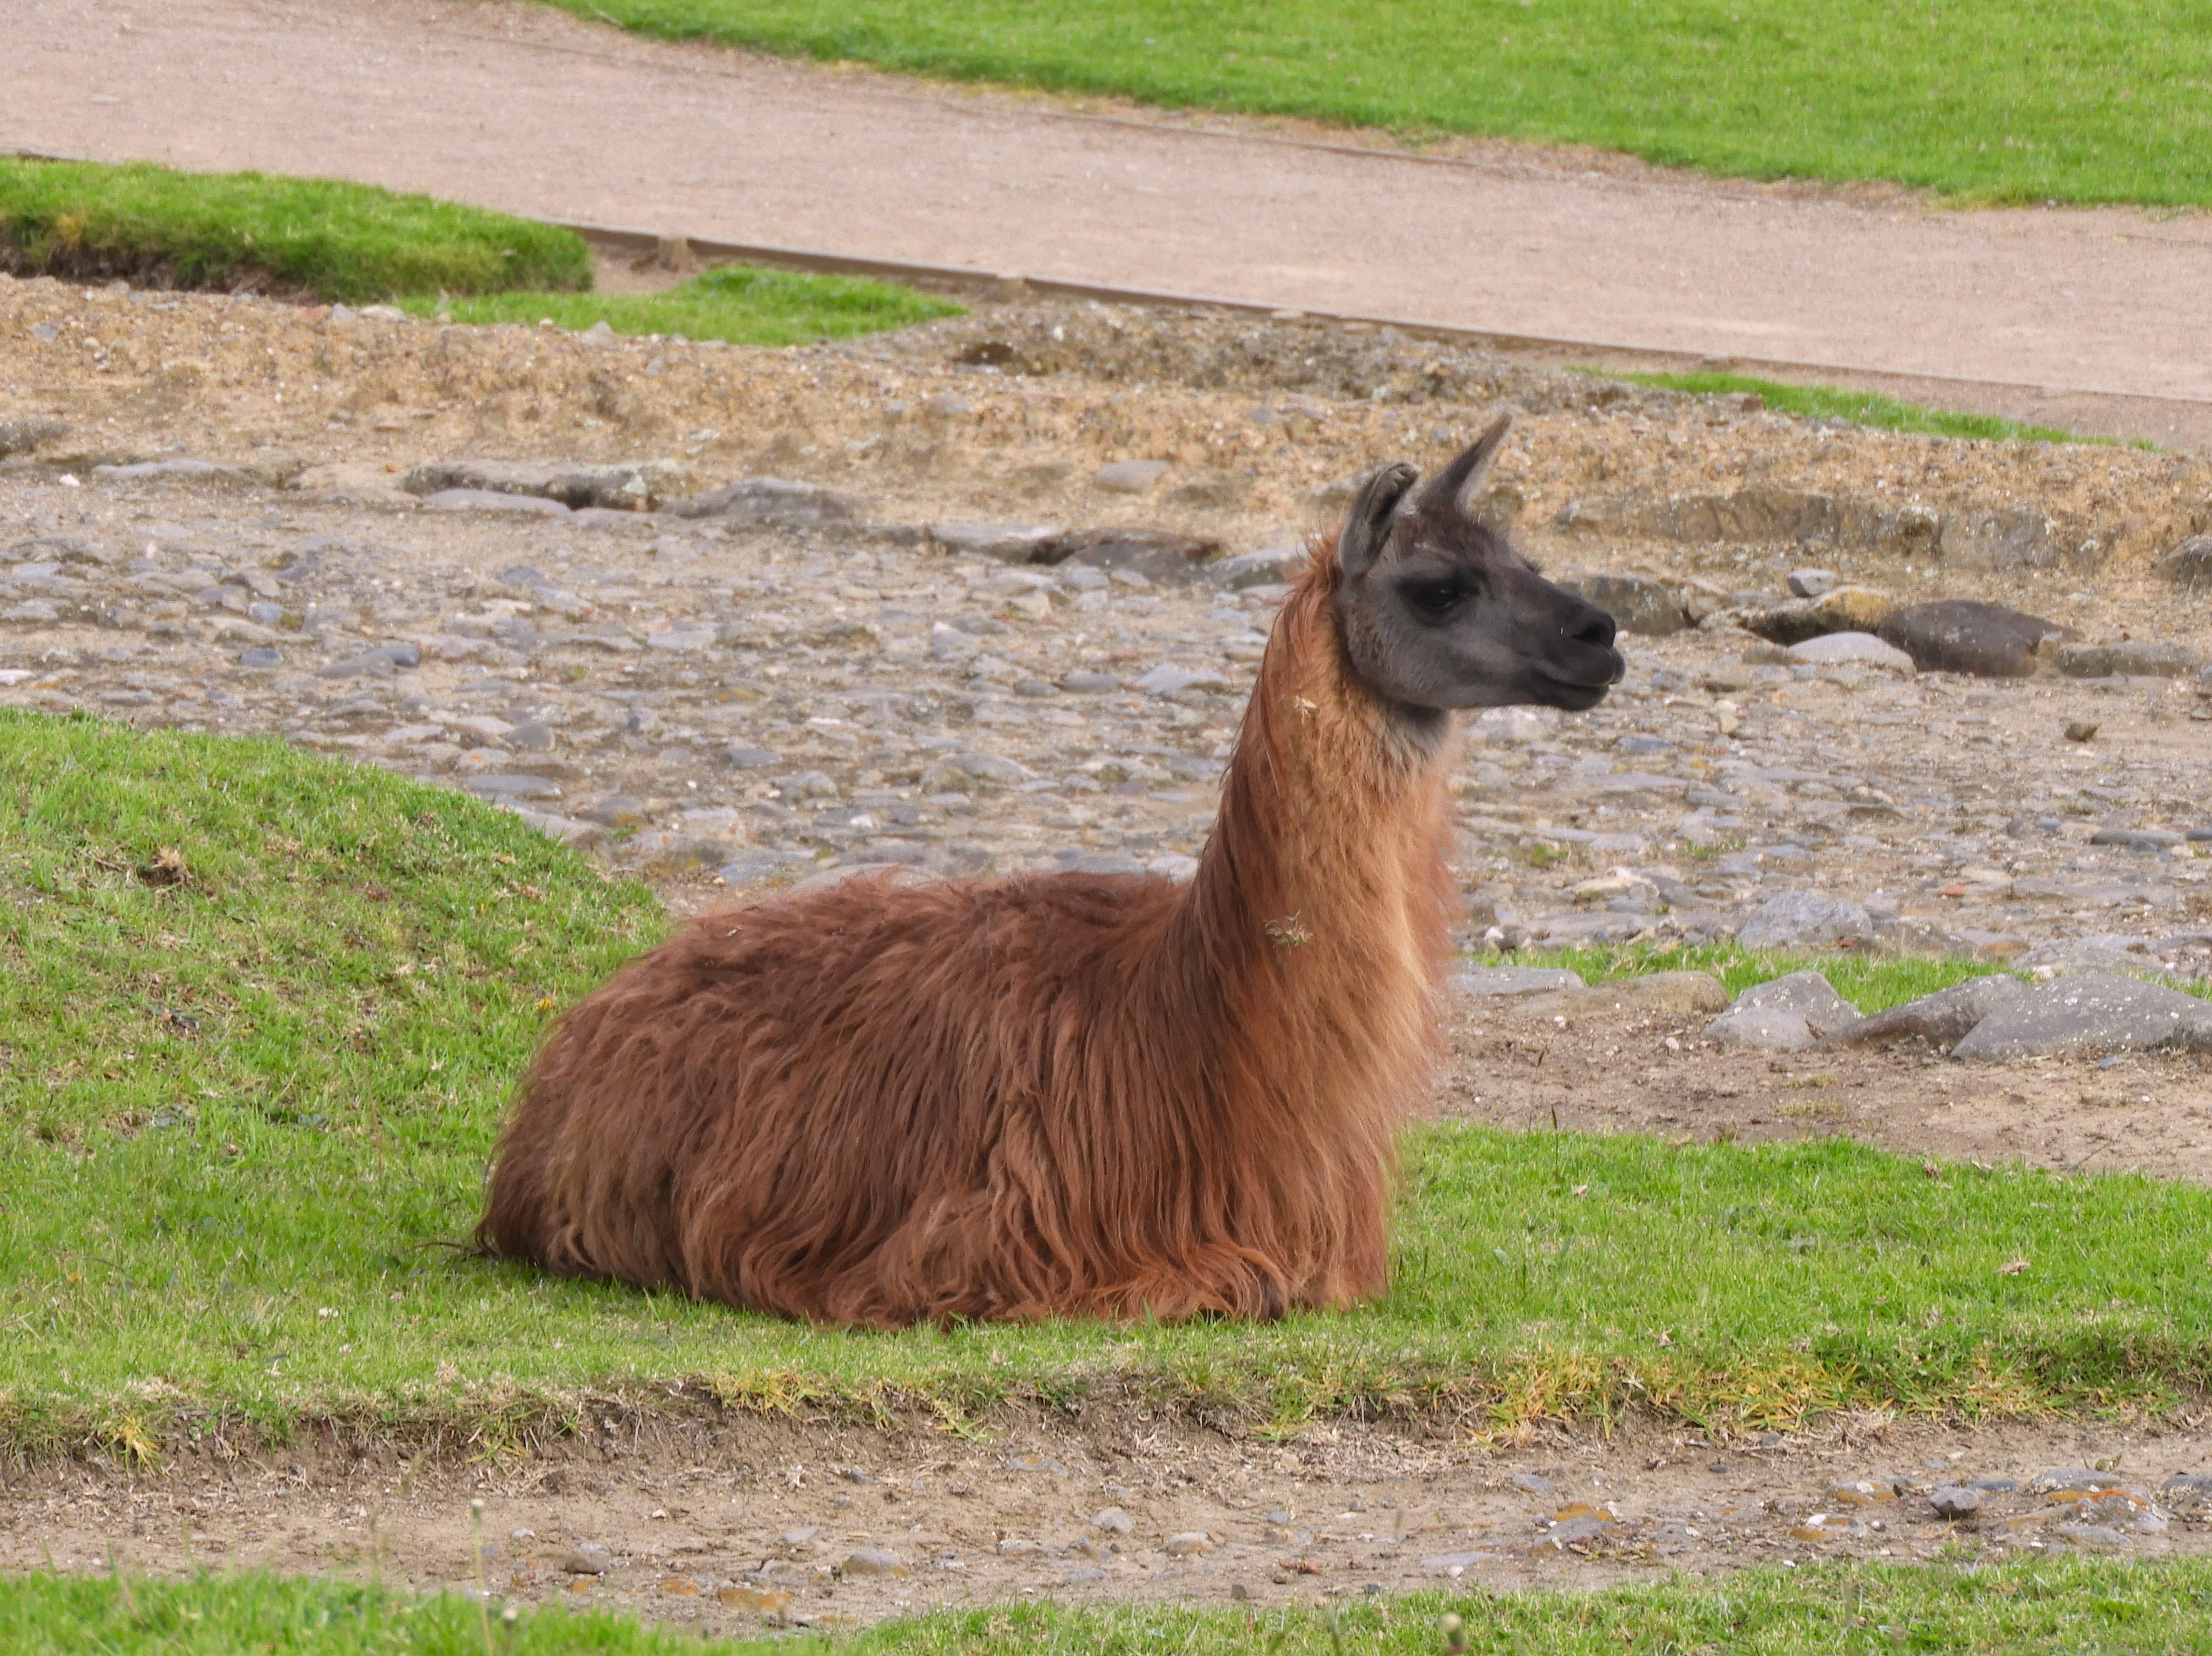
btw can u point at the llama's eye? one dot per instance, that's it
(1433, 600)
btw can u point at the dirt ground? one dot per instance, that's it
(522, 108)
(874, 663)
(1632, 1071)
(731, 1525)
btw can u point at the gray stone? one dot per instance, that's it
(58, 549)
(1636, 603)
(261, 655)
(1270, 566)
(1112, 1520)
(1514, 980)
(1955, 1501)
(2188, 566)
(1167, 555)
(1941, 1020)
(1010, 543)
(2093, 1012)
(1532, 1483)
(1805, 920)
(1811, 583)
(873, 1561)
(533, 736)
(2092, 1534)
(1090, 683)
(380, 662)
(798, 1540)
(1129, 476)
(489, 500)
(2010, 538)
(181, 471)
(741, 757)
(2137, 839)
(1167, 679)
(496, 785)
(633, 486)
(2073, 1477)
(2133, 658)
(768, 501)
(20, 437)
(1765, 1029)
(1186, 1543)
(990, 768)
(1962, 634)
(588, 1558)
(1854, 648)
(1807, 994)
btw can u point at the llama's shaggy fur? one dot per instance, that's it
(1047, 1095)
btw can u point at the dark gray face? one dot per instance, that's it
(1439, 612)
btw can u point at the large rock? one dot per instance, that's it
(1965, 634)
(1161, 555)
(1860, 649)
(1764, 1029)
(640, 486)
(1010, 543)
(1516, 980)
(768, 501)
(1941, 1020)
(2133, 658)
(2189, 565)
(1805, 920)
(1806, 994)
(1637, 603)
(1841, 609)
(1269, 566)
(2093, 1012)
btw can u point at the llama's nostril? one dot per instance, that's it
(1595, 629)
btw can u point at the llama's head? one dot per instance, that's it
(1438, 611)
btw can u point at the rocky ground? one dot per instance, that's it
(228, 515)
(728, 1525)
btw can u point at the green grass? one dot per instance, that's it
(260, 1013)
(1859, 407)
(2094, 1606)
(736, 302)
(1872, 983)
(335, 241)
(2006, 100)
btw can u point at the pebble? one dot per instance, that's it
(1955, 1501)
(1186, 1543)
(1112, 1520)
(873, 1561)
(588, 1558)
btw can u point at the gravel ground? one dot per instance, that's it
(726, 1524)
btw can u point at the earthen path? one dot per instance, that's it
(2094, 317)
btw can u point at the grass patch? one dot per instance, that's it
(225, 230)
(2078, 1604)
(1872, 983)
(2010, 102)
(260, 1014)
(736, 302)
(129, 1615)
(1866, 408)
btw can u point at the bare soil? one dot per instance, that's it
(517, 108)
(728, 1523)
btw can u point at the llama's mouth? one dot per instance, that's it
(1578, 693)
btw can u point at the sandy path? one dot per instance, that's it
(522, 108)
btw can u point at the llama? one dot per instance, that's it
(1074, 1094)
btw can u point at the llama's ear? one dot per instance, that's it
(1453, 489)
(1367, 529)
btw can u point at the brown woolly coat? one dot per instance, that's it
(1048, 1095)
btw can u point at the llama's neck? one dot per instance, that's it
(1322, 904)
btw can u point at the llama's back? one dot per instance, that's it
(871, 1103)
